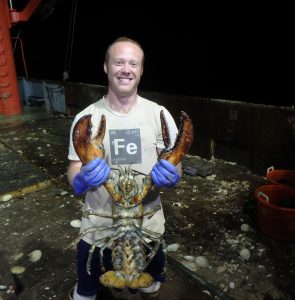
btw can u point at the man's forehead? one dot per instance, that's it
(126, 47)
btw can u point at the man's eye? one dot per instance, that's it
(118, 63)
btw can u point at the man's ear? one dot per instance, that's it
(105, 68)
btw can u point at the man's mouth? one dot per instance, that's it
(124, 80)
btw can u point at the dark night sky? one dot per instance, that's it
(184, 54)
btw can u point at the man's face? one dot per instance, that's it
(124, 68)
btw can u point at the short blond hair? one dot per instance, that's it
(118, 40)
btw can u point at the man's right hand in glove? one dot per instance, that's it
(92, 175)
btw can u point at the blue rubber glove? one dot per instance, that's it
(165, 174)
(91, 175)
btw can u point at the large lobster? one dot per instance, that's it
(129, 239)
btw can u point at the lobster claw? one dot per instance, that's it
(183, 141)
(88, 148)
(173, 154)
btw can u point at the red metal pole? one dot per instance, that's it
(19, 16)
(10, 104)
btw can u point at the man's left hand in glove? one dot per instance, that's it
(164, 174)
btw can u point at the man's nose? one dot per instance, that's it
(126, 68)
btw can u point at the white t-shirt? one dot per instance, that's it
(130, 140)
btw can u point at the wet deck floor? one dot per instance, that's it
(33, 160)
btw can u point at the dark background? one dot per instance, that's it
(186, 52)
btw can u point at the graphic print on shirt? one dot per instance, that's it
(125, 146)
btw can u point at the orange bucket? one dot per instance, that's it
(281, 176)
(276, 210)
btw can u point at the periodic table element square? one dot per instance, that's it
(125, 146)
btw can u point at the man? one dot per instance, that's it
(133, 138)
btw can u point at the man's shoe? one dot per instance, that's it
(72, 291)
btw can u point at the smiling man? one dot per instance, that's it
(132, 141)
(124, 67)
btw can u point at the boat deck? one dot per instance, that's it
(204, 218)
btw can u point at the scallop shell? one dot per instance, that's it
(35, 255)
(245, 254)
(202, 261)
(17, 270)
(189, 258)
(5, 198)
(76, 223)
(173, 247)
